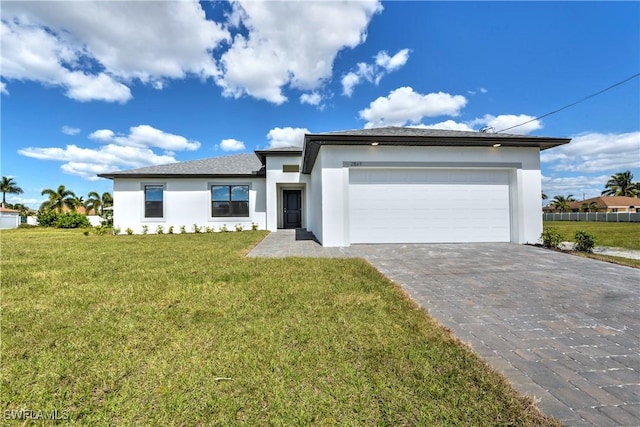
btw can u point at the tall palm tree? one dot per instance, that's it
(97, 203)
(621, 184)
(561, 203)
(58, 199)
(589, 207)
(8, 185)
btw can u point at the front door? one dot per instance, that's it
(292, 208)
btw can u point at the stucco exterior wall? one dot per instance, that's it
(187, 202)
(276, 181)
(334, 162)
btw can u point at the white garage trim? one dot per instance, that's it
(418, 205)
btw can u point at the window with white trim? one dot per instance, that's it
(230, 200)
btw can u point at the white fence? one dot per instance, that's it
(593, 216)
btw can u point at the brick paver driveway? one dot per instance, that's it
(563, 329)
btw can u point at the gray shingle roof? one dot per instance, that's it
(391, 131)
(235, 165)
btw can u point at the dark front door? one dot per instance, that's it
(292, 208)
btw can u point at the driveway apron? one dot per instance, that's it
(563, 329)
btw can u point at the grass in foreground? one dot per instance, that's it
(183, 330)
(613, 234)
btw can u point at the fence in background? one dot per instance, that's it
(593, 216)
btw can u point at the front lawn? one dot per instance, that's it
(613, 234)
(184, 330)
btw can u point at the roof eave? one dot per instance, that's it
(178, 175)
(313, 142)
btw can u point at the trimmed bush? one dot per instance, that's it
(72, 220)
(551, 238)
(585, 241)
(47, 218)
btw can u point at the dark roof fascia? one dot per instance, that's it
(313, 142)
(114, 175)
(262, 154)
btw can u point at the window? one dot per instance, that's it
(153, 201)
(230, 200)
(290, 168)
(614, 210)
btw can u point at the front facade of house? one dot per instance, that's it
(388, 185)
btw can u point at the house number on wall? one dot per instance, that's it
(355, 164)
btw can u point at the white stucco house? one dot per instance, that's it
(384, 185)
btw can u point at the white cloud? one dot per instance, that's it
(290, 43)
(373, 73)
(595, 152)
(117, 151)
(446, 125)
(504, 121)
(313, 98)
(578, 186)
(146, 136)
(3, 88)
(286, 137)
(63, 43)
(231, 145)
(86, 162)
(392, 63)
(68, 130)
(404, 106)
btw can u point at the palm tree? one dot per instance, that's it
(621, 184)
(561, 203)
(8, 185)
(77, 202)
(58, 199)
(97, 203)
(589, 207)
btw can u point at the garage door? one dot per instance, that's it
(428, 206)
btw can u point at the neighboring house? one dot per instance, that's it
(385, 185)
(608, 204)
(9, 218)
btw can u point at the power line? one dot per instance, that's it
(573, 103)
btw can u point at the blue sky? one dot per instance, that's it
(100, 86)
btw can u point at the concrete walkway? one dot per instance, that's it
(563, 329)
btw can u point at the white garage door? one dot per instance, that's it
(428, 206)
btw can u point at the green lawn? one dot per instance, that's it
(183, 330)
(613, 234)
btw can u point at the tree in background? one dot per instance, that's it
(8, 185)
(561, 203)
(621, 184)
(589, 207)
(58, 199)
(98, 203)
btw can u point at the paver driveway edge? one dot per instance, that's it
(563, 329)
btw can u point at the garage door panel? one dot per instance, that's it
(420, 206)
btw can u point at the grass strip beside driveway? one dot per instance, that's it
(183, 330)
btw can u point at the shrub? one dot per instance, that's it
(254, 226)
(551, 238)
(72, 220)
(102, 230)
(196, 229)
(183, 229)
(224, 228)
(47, 218)
(159, 229)
(145, 229)
(585, 241)
(170, 231)
(208, 229)
(116, 231)
(129, 231)
(239, 227)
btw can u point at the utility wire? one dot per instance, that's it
(573, 103)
